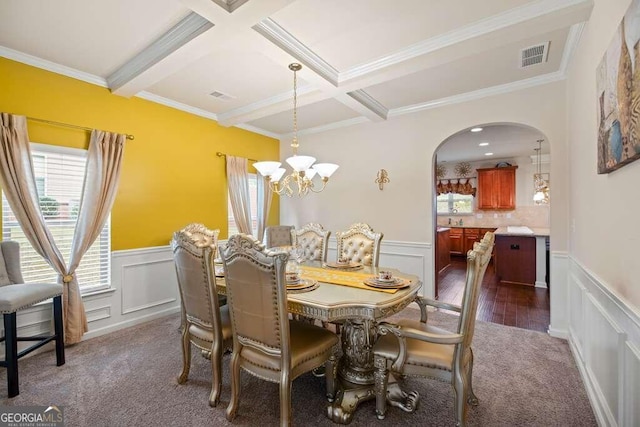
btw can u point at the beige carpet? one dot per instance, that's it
(128, 378)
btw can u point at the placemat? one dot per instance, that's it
(345, 278)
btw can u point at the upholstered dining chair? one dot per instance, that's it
(205, 324)
(266, 343)
(16, 295)
(278, 235)
(359, 244)
(313, 241)
(412, 348)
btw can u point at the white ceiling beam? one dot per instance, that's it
(122, 81)
(189, 40)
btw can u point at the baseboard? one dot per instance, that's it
(129, 323)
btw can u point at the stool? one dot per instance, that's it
(17, 296)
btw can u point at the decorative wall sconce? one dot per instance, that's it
(382, 179)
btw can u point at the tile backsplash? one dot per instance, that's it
(531, 216)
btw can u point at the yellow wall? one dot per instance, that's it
(171, 175)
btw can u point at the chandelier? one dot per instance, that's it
(540, 185)
(299, 182)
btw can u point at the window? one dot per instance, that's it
(452, 203)
(59, 177)
(253, 200)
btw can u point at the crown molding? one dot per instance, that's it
(177, 105)
(190, 27)
(270, 29)
(261, 131)
(502, 20)
(43, 64)
(570, 46)
(230, 115)
(370, 103)
(480, 93)
(329, 126)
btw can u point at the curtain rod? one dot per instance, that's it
(219, 154)
(51, 122)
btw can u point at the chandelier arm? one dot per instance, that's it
(324, 184)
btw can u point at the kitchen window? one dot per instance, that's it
(59, 174)
(454, 203)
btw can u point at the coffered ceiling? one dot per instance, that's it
(363, 60)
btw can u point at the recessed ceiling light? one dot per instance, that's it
(476, 129)
(488, 154)
(483, 144)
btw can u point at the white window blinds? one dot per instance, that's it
(59, 176)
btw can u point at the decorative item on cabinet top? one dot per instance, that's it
(463, 169)
(462, 184)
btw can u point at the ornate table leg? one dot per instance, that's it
(356, 375)
(355, 371)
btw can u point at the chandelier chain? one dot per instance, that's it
(294, 142)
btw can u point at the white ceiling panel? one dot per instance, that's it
(91, 36)
(473, 72)
(245, 75)
(348, 33)
(309, 116)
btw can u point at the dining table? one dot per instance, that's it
(341, 296)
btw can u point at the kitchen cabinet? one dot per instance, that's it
(471, 235)
(456, 239)
(515, 259)
(497, 188)
(463, 238)
(443, 257)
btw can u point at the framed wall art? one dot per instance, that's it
(618, 91)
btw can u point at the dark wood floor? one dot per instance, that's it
(522, 306)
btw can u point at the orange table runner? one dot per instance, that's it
(339, 277)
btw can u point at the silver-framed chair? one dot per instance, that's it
(278, 235)
(359, 244)
(205, 324)
(313, 241)
(266, 343)
(415, 348)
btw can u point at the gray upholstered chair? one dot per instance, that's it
(266, 343)
(359, 244)
(415, 348)
(205, 324)
(278, 235)
(313, 241)
(16, 295)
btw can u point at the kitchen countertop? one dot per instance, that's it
(535, 232)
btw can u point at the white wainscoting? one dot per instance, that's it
(408, 257)
(604, 335)
(143, 288)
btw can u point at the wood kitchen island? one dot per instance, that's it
(520, 255)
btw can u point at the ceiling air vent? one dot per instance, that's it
(534, 55)
(221, 95)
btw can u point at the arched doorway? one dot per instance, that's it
(514, 293)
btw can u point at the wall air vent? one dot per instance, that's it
(221, 95)
(534, 55)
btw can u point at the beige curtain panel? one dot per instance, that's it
(104, 163)
(238, 183)
(19, 184)
(264, 204)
